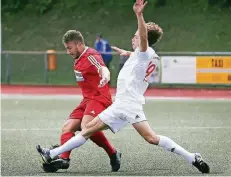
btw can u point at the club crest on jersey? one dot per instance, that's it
(78, 76)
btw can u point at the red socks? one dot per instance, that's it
(63, 139)
(100, 139)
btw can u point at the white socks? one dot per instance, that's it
(72, 143)
(165, 143)
(170, 145)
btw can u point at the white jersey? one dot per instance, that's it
(133, 79)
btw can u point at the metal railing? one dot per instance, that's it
(31, 67)
(115, 53)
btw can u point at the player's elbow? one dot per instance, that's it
(144, 36)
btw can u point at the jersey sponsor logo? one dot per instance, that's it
(78, 76)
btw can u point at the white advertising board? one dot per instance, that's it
(178, 69)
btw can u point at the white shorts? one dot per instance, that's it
(117, 116)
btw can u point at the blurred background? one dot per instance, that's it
(39, 88)
(195, 49)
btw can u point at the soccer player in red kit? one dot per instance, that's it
(92, 77)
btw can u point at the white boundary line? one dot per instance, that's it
(126, 128)
(77, 97)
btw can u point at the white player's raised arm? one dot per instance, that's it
(142, 28)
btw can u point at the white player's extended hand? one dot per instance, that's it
(103, 82)
(122, 52)
(139, 6)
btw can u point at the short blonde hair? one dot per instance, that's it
(72, 35)
(155, 33)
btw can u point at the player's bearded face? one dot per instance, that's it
(72, 49)
(135, 41)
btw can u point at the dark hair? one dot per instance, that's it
(72, 35)
(99, 35)
(154, 33)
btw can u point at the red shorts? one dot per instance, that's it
(87, 107)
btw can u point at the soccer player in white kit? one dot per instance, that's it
(128, 105)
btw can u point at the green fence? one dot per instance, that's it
(31, 68)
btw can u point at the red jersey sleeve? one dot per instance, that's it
(96, 62)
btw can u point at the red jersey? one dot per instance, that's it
(86, 69)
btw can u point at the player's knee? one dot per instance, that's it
(68, 127)
(88, 125)
(152, 140)
(65, 128)
(86, 133)
(83, 126)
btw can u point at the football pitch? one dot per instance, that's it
(199, 126)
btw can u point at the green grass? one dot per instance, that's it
(199, 126)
